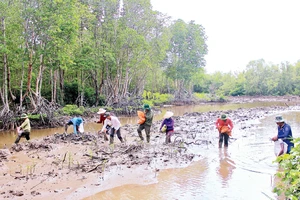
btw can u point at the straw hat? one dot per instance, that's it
(101, 111)
(168, 114)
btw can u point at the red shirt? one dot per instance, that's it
(101, 119)
(227, 122)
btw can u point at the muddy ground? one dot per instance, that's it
(73, 167)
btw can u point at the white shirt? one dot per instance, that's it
(114, 123)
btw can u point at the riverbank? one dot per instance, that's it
(58, 117)
(73, 167)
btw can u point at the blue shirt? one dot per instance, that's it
(76, 121)
(285, 133)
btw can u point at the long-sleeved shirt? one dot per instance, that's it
(25, 126)
(76, 121)
(101, 119)
(113, 122)
(149, 118)
(169, 122)
(220, 123)
(285, 133)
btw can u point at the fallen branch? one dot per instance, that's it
(42, 181)
(94, 168)
(64, 157)
(131, 147)
(18, 177)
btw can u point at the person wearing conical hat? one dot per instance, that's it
(284, 133)
(106, 128)
(168, 123)
(101, 112)
(147, 124)
(24, 129)
(224, 126)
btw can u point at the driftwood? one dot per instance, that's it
(94, 157)
(42, 181)
(130, 148)
(94, 168)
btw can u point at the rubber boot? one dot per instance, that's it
(169, 139)
(148, 138)
(166, 140)
(105, 137)
(220, 144)
(141, 136)
(111, 140)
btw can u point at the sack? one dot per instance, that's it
(81, 130)
(164, 129)
(19, 131)
(142, 117)
(280, 146)
(225, 129)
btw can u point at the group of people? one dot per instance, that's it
(112, 125)
(284, 134)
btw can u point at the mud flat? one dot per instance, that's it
(73, 167)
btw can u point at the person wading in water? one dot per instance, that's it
(224, 126)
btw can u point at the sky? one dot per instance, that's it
(240, 31)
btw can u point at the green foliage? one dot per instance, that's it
(73, 110)
(202, 96)
(89, 95)
(149, 102)
(289, 174)
(71, 92)
(156, 98)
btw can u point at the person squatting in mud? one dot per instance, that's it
(115, 127)
(77, 123)
(107, 128)
(224, 126)
(24, 129)
(167, 126)
(284, 133)
(147, 124)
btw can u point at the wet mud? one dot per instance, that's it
(68, 166)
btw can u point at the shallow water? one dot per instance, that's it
(7, 138)
(243, 171)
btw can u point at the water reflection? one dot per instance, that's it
(226, 167)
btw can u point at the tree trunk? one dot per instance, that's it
(53, 86)
(5, 71)
(61, 85)
(39, 80)
(81, 92)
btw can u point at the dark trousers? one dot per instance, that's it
(225, 137)
(24, 134)
(112, 134)
(147, 130)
